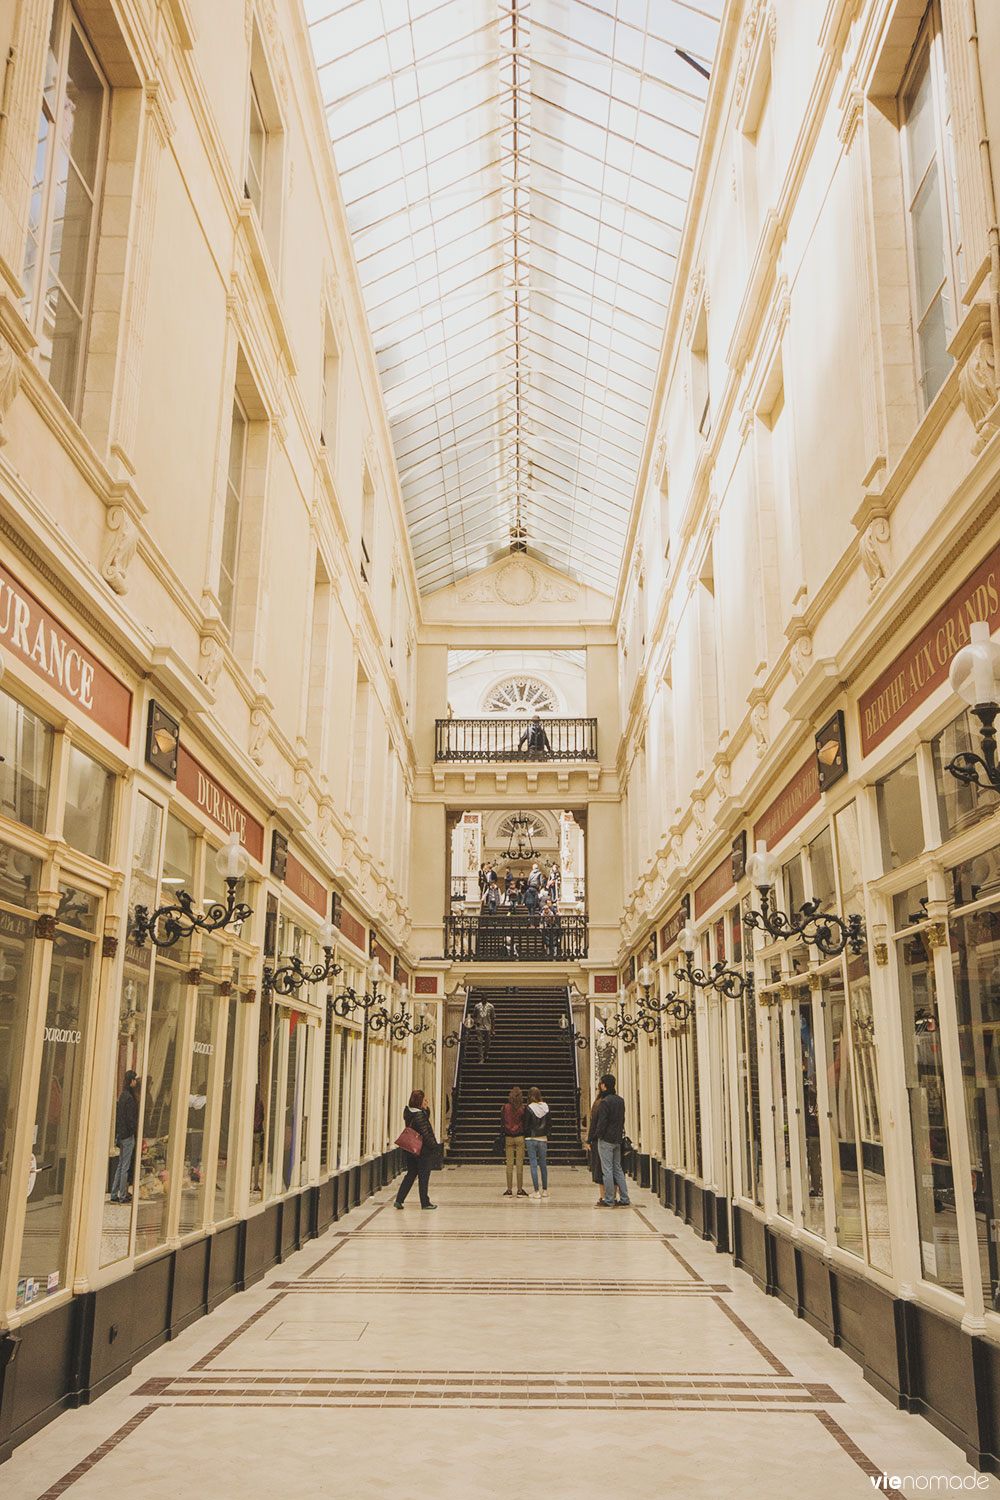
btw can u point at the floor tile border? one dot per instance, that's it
(96, 1454)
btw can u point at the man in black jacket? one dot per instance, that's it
(607, 1128)
(126, 1132)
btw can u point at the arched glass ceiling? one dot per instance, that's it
(516, 174)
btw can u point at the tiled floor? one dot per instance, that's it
(496, 1346)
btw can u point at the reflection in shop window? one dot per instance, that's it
(25, 772)
(959, 806)
(937, 1215)
(61, 1099)
(20, 874)
(17, 946)
(90, 797)
(807, 1110)
(840, 1088)
(899, 816)
(225, 1180)
(975, 957)
(159, 1109)
(197, 1135)
(779, 1095)
(876, 1200)
(824, 885)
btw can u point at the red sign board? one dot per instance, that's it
(425, 984)
(384, 957)
(925, 660)
(791, 803)
(354, 931)
(308, 889)
(714, 886)
(33, 635)
(195, 783)
(671, 929)
(605, 984)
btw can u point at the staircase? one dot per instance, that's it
(528, 1049)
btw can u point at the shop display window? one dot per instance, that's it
(779, 1096)
(89, 805)
(794, 892)
(198, 1112)
(937, 1210)
(20, 875)
(179, 852)
(959, 806)
(160, 1108)
(26, 770)
(975, 959)
(840, 1089)
(61, 1101)
(260, 1115)
(18, 946)
(821, 871)
(225, 1179)
(899, 816)
(807, 1116)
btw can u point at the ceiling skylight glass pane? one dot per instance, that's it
(421, 111)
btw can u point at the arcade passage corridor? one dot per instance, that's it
(492, 1348)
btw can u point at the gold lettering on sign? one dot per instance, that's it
(924, 662)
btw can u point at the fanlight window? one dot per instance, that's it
(521, 695)
(538, 826)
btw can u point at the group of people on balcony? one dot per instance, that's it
(529, 893)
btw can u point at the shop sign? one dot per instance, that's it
(425, 984)
(792, 802)
(673, 926)
(605, 984)
(195, 783)
(924, 662)
(136, 957)
(354, 931)
(714, 887)
(14, 926)
(30, 633)
(63, 1034)
(308, 889)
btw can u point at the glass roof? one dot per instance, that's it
(516, 175)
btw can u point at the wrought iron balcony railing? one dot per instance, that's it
(506, 938)
(512, 739)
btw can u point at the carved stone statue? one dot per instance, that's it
(977, 384)
(872, 545)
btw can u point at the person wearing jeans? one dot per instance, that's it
(126, 1132)
(536, 1140)
(607, 1128)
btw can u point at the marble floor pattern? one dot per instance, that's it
(494, 1347)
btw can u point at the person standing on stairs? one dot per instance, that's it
(512, 1125)
(485, 1020)
(536, 1139)
(418, 1168)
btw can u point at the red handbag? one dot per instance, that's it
(410, 1140)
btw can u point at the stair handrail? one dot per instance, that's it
(576, 1060)
(463, 1032)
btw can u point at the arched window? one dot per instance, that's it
(520, 695)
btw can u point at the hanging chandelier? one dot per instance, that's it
(519, 844)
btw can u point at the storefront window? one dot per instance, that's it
(779, 1095)
(824, 885)
(696, 1165)
(846, 1178)
(754, 1183)
(178, 874)
(959, 806)
(159, 1108)
(90, 798)
(937, 1214)
(20, 874)
(61, 1103)
(807, 1110)
(197, 1142)
(260, 1113)
(899, 817)
(25, 772)
(17, 946)
(975, 945)
(225, 1179)
(118, 1216)
(795, 894)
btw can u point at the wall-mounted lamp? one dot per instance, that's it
(824, 929)
(672, 1004)
(290, 978)
(975, 676)
(169, 924)
(725, 981)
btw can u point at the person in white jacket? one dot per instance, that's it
(536, 1141)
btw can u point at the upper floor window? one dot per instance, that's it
(232, 513)
(262, 182)
(256, 153)
(701, 395)
(932, 220)
(60, 253)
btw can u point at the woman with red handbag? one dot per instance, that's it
(418, 1133)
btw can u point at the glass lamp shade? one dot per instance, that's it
(404, 995)
(975, 670)
(327, 935)
(232, 859)
(762, 867)
(688, 940)
(375, 971)
(645, 977)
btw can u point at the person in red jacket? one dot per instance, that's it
(512, 1124)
